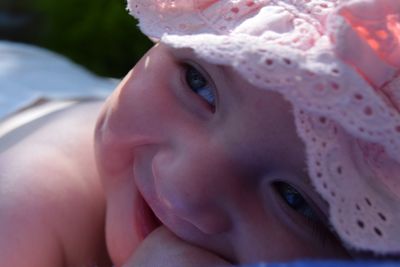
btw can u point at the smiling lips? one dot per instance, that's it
(145, 219)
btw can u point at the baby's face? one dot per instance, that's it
(217, 160)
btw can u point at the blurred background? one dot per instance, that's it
(98, 34)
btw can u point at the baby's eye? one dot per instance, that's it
(199, 84)
(296, 201)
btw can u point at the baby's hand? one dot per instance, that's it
(163, 249)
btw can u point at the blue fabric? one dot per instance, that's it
(28, 73)
(329, 264)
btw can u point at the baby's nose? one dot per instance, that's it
(195, 185)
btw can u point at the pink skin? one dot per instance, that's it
(206, 174)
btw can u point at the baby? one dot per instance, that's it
(252, 131)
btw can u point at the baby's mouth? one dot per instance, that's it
(146, 221)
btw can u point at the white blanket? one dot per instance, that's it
(28, 73)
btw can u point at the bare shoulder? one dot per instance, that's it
(51, 199)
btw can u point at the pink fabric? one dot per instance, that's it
(337, 62)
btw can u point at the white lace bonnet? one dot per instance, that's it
(337, 62)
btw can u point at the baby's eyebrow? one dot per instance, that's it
(230, 82)
(305, 178)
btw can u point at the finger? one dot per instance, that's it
(163, 249)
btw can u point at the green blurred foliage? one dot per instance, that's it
(99, 34)
(17, 21)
